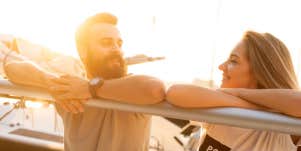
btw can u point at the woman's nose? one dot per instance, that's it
(222, 66)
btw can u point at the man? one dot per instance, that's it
(99, 47)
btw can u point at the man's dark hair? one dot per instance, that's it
(81, 36)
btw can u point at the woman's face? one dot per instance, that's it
(237, 72)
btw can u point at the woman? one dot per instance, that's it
(259, 61)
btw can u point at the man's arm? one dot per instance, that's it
(21, 70)
(136, 89)
(27, 73)
(286, 101)
(190, 96)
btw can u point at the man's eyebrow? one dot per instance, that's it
(106, 38)
(110, 38)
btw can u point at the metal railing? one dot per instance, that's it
(237, 117)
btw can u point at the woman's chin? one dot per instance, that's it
(223, 85)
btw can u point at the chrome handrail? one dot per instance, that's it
(238, 117)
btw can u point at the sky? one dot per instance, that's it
(195, 36)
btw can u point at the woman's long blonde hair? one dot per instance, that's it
(270, 61)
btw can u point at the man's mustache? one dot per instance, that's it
(139, 59)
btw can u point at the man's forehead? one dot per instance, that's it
(104, 30)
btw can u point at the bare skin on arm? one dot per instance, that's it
(136, 89)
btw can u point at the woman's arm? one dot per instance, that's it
(190, 96)
(286, 101)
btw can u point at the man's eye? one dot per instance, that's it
(106, 43)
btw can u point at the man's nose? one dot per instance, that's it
(116, 50)
(116, 46)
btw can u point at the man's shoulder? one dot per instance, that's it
(67, 65)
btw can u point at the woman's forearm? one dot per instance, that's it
(191, 96)
(287, 101)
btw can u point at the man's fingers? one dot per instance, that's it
(78, 105)
(71, 107)
(59, 81)
(84, 101)
(70, 96)
(63, 105)
(59, 88)
(68, 78)
(64, 96)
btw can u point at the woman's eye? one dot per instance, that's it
(232, 61)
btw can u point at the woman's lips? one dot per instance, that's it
(225, 77)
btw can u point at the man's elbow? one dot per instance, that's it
(157, 92)
(10, 72)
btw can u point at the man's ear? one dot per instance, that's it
(83, 54)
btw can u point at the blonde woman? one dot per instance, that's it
(259, 61)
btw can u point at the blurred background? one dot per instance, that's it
(195, 36)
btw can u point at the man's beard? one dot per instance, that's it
(101, 66)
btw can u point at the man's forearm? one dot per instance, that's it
(133, 89)
(27, 73)
(287, 101)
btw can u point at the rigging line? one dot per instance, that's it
(16, 105)
(7, 113)
(217, 20)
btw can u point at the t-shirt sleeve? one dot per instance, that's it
(7, 55)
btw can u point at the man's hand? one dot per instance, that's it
(69, 92)
(73, 106)
(70, 88)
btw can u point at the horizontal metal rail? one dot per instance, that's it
(10, 139)
(237, 117)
